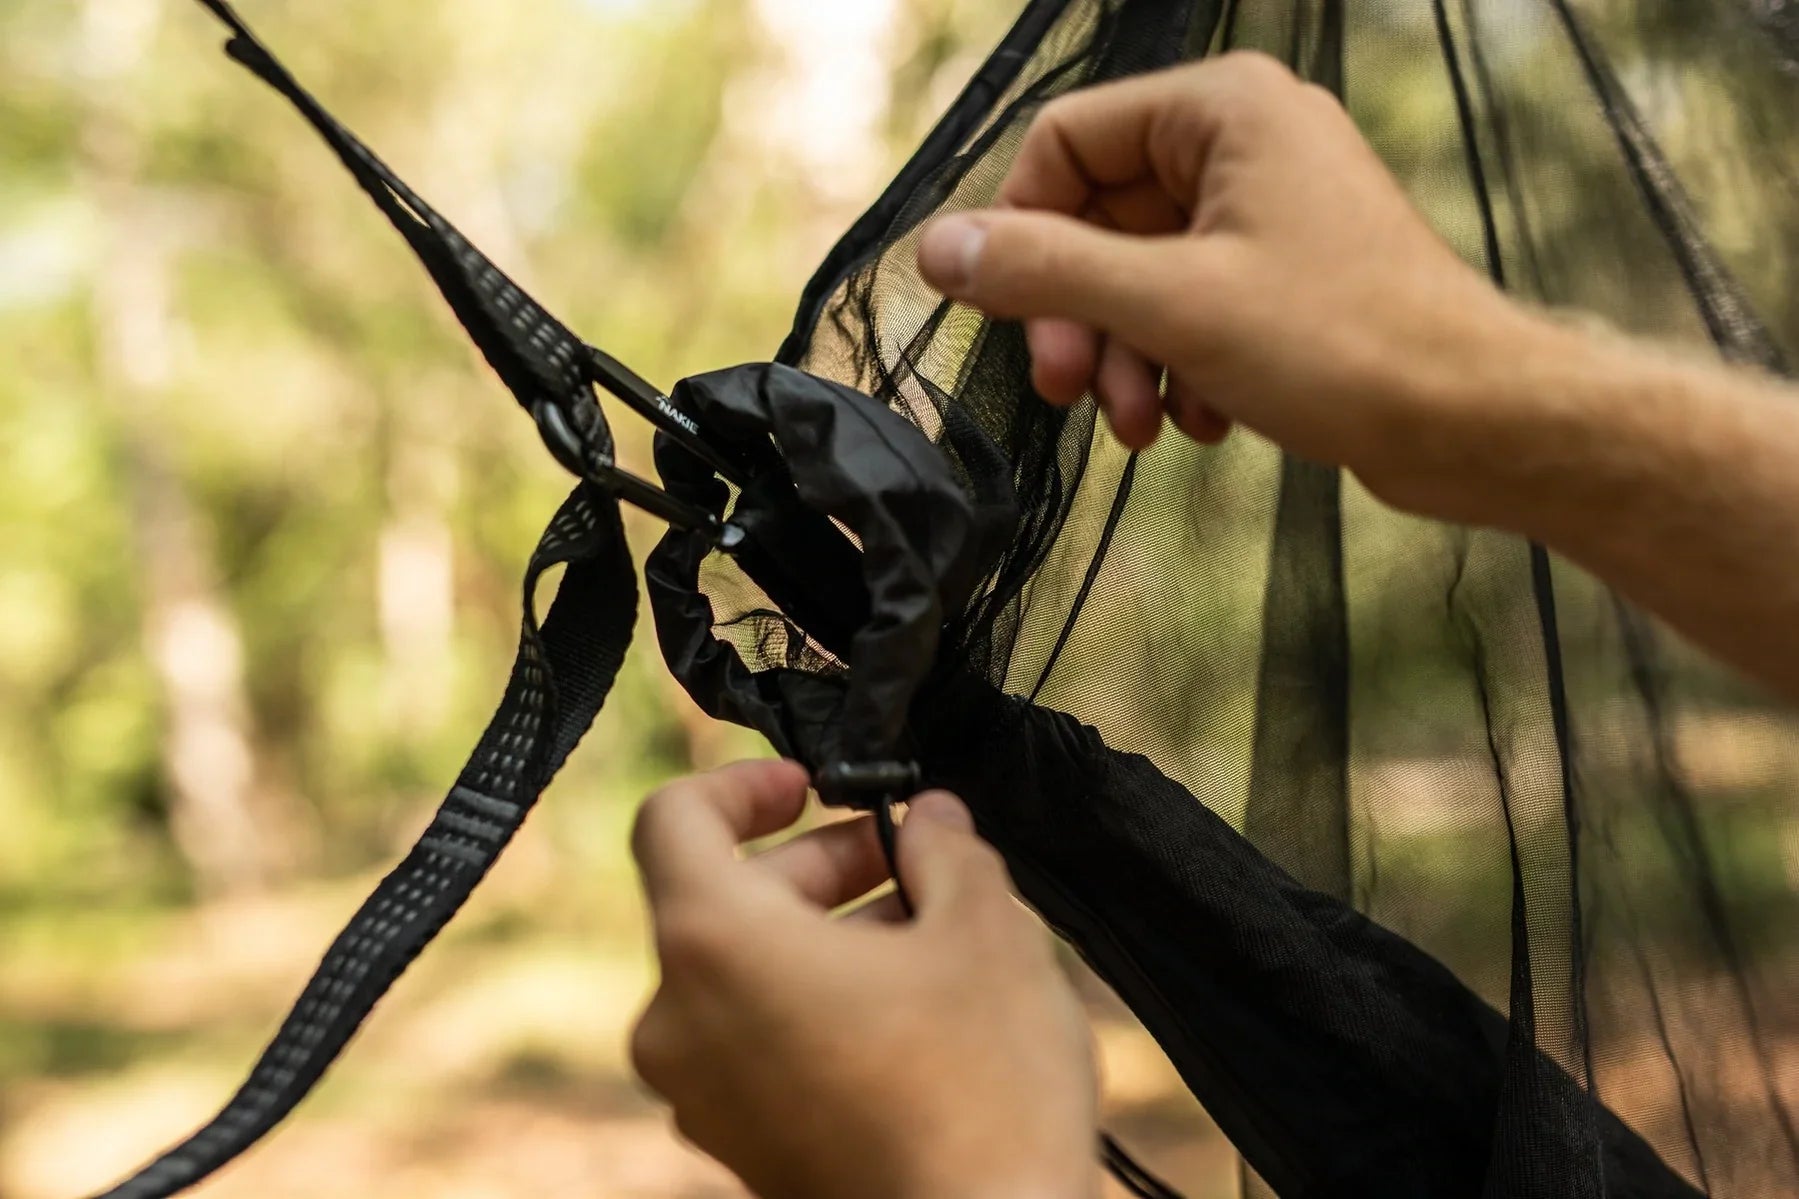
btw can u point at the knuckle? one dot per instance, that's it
(1055, 114)
(1047, 145)
(652, 816)
(1047, 262)
(1015, 266)
(690, 943)
(653, 1049)
(1040, 258)
(1321, 96)
(1254, 70)
(987, 861)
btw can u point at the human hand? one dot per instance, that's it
(1226, 221)
(866, 1055)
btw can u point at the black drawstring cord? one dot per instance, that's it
(889, 838)
(1130, 1173)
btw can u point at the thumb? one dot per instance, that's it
(1015, 264)
(942, 861)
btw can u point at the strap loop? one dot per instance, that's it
(561, 677)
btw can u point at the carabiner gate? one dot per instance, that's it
(585, 461)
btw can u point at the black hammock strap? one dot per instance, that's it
(549, 370)
(559, 679)
(561, 676)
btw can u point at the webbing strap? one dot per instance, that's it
(559, 680)
(537, 356)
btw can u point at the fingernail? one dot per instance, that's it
(950, 250)
(940, 807)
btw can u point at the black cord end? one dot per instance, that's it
(889, 837)
(874, 787)
(865, 785)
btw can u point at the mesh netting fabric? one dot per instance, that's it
(1435, 867)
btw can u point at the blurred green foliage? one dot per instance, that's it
(263, 510)
(217, 350)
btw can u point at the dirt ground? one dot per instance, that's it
(494, 1070)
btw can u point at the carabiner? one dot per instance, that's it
(585, 462)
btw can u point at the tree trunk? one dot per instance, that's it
(190, 634)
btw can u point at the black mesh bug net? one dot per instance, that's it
(1434, 867)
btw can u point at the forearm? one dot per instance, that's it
(1674, 480)
(1348, 332)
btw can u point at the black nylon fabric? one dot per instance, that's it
(812, 451)
(924, 540)
(1434, 867)
(1337, 1056)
